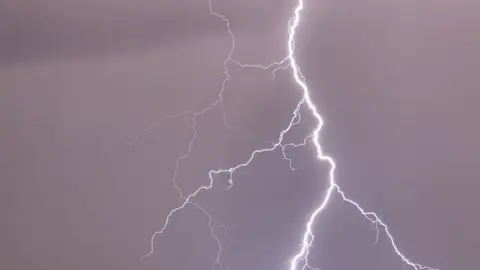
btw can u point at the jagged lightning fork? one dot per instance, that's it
(219, 101)
(308, 236)
(196, 115)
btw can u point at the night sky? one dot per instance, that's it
(88, 150)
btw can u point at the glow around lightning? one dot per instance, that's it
(299, 260)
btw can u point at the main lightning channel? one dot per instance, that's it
(308, 236)
(300, 259)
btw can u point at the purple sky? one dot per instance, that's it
(87, 156)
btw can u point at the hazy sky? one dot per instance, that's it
(87, 155)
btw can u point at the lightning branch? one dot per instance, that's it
(300, 259)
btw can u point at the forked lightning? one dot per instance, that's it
(299, 260)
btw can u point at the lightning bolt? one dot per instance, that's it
(300, 260)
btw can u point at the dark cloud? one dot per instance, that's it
(32, 31)
(55, 29)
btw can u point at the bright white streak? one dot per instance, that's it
(333, 186)
(308, 236)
